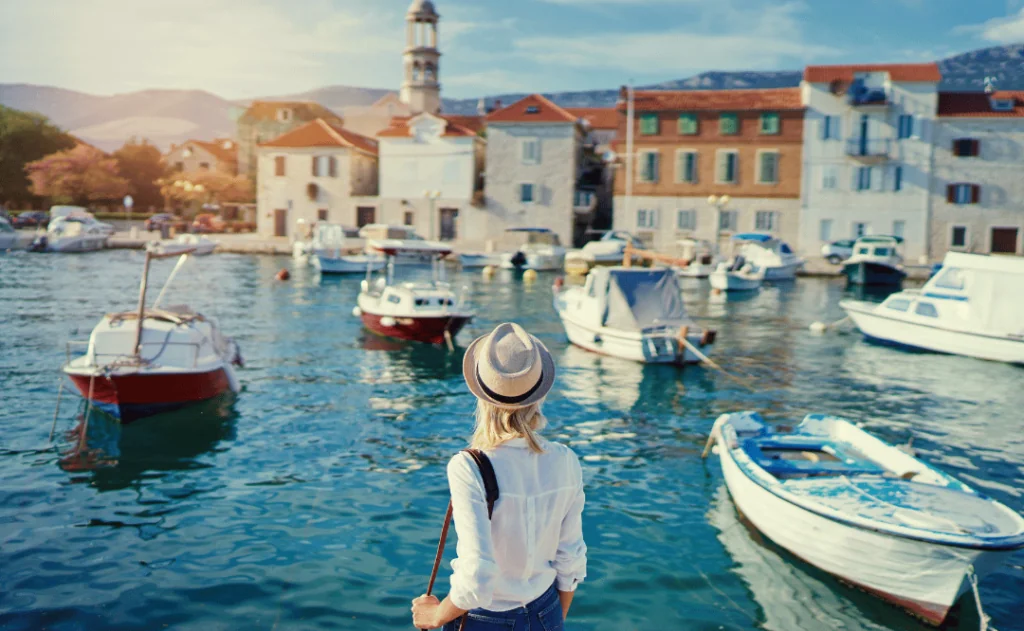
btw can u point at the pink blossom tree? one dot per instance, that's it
(81, 175)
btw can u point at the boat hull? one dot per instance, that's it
(873, 273)
(876, 562)
(782, 272)
(347, 265)
(696, 270)
(430, 330)
(133, 396)
(931, 338)
(726, 281)
(633, 347)
(76, 244)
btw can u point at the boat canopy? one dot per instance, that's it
(753, 236)
(880, 238)
(528, 230)
(393, 247)
(639, 298)
(991, 285)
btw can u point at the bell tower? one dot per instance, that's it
(421, 90)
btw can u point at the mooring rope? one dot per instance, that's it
(984, 620)
(56, 412)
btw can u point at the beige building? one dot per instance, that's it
(200, 155)
(421, 87)
(264, 121)
(314, 173)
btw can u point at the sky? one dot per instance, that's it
(249, 48)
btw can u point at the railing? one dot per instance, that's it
(868, 147)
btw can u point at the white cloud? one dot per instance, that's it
(1004, 30)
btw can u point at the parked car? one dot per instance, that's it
(158, 220)
(208, 222)
(838, 251)
(31, 219)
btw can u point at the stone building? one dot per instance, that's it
(264, 121)
(200, 155)
(421, 87)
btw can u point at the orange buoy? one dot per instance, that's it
(284, 274)
(559, 282)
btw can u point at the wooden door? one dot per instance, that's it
(448, 227)
(365, 215)
(1004, 240)
(281, 222)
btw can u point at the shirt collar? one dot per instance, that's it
(515, 442)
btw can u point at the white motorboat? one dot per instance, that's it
(737, 275)
(765, 251)
(8, 236)
(700, 256)
(865, 511)
(194, 244)
(875, 261)
(348, 263)
(153, 360)
(633, 313)
(971, 307)
(419, 311)
(603, 248)
(72, 234)
(77, 213)
(329, 239)
(476, 260)
(542, 251)
(387, 232)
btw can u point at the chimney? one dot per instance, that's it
(481, 107)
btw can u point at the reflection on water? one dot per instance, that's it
(314, 500)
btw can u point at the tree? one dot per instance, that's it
(206, 187)
(142, 165)
(25, 137)
(80, 175)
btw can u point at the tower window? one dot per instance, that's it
(429, 73)
(416, 71)
(532, 109)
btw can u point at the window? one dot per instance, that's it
(829, 178)
(727, 220)
(950, 278)
(408, 218)
(321, 214)
(316, 166)
(926, 309)
(531, 151)
(897, 178)
(284, 114)
(686, 166)
(963, 193)
(526, 193)
(686, 220)
(767, 167)
(649, 124)
(727, 169)
(829, 127)
(393, 299)
(905, 126)
(966, 147)
(332, 166)
(204, 166)
(769, 123)
(688, 125)
(179, 166)
(825, 230)
(279, 166)
(859, 229)
(1002, 105)
(532, 109)
(958, 237)
(863, 179)
(728, 125)
(766, 220)
(648, 166)
(898, 228)
(582, 198)
(647, 218)
(898, 304)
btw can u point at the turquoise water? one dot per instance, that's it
(315, 499)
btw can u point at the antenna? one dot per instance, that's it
(990, 85)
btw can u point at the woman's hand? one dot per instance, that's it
(424, 612)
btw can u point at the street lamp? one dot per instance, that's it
(719, 202)
(431, 197)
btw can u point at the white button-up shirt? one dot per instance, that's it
(535, 536)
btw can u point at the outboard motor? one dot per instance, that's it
(518, 259)
(38, 244)
(738, 263)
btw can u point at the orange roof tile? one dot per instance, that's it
(472, 122)
(532, 109)
(301, 110)
(320, 133)
(979, 104)
(598, 117)
(715, 100)
(224, 149)
(399, 127)
(928, 73)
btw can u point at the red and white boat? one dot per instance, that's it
(420, 311)
(153, 360)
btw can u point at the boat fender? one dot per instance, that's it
(283, 275)
(529, 276)
(387, 321)
(708, 337)
(357, 312)
(559, 282)
(488, 271)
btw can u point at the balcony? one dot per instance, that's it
(869, 150)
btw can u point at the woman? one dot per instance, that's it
(521, 566)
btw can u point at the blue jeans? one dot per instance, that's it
(543, 614)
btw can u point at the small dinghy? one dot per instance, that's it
(737, 275)
(865, 511)
(194, 244)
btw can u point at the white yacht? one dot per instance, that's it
(329, 239)
(72, 234)
(738, 275)
(972, 307)
(775, 257)
(389, 232)
(542, 251)
(875, 261)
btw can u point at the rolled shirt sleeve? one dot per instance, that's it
(571, 557)
(474, 571)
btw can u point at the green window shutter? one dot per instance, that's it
(649, 124)
(769, 123)
(769, 168)
(728, 125)
(688, 124)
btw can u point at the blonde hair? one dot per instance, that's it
(495, 425)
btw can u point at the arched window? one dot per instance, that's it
(416, 71)
(429, 72)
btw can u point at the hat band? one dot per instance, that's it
(519, 398)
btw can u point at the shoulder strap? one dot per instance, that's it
(487, 474)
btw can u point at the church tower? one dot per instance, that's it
(421, 90)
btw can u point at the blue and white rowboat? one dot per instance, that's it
(865, 511)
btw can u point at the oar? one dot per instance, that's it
(707, 360)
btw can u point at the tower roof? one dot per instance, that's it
(422, 9)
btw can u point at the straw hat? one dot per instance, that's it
(508, 367)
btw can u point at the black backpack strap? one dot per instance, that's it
(487, 474)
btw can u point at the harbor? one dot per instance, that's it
(311, 499)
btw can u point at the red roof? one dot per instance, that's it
(224, 149)
(532, 109)
(773, 99)
(598, 117)
(979, 104)
(320, 133)
(928, 73)
(473, 123)
(399, 127)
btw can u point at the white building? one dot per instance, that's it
(867, 153)
(978, 177)
(316, 172)
(533, 155)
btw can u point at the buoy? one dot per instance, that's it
(387, 321)
(716, 292)
(818, 327)
(557, 286)
(283, 275)
(529, 276)
(357, 312)
(488, 271)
